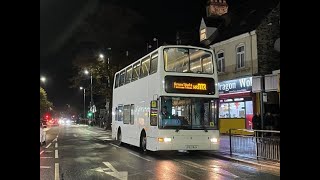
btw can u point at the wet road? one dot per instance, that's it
(82, 152)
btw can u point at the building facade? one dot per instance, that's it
(247, 48)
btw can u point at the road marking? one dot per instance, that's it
(56, 153)
(41, 152)
(49, 145)
(139, 156)
(56, 171)
(115, 145)
(45, 167)
(180, 174)
(122, 175)
(215, 169)
(46, 157)
(48, 151)
(56, 145)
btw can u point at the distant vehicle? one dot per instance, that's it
(64, 121)
(53, 122)
(168, 100)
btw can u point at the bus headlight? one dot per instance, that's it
(214, 140)
(164, 139)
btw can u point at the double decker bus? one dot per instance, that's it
(180, 80)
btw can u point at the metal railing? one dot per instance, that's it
(263, 144)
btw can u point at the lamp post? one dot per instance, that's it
(84, 101)
(91, 99)
(155, 39)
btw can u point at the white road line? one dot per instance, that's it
(45, 157)
(56, 153)
(48, 151)
(139, 156)
(180, 174)
(48, 145)
(41, 152)
(56, 146)
(115, 145)
(45, 167)
(56, 171)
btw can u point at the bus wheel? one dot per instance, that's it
(143, 142)
(119, 137)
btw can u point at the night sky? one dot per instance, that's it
(60, 18)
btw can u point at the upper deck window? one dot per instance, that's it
(188, 60)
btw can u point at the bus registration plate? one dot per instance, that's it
(191, 147)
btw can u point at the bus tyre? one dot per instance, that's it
(119, 137)
(143, 142)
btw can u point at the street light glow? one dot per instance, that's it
(155, 39)
(81, 88)
(43, 79)
(101, 56)
(86, 71)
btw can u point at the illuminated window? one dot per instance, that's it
(240, 56)
(145, 65)
(203, 34)
(136, 71)
(128, 74)
(220, 62)
(154, 63)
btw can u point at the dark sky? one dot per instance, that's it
(59, 18)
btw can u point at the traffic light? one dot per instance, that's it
(89, 114)
(46, 116)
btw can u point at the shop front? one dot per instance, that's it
(236, 104)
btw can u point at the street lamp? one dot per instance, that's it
(84, 101)
(101, 56)
(155, 39)
(43, 79)
(148, 47)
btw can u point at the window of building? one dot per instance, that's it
(240, 56)
(221, 62)
(232, 110)
(203, 34)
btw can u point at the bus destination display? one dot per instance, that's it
(189, 85)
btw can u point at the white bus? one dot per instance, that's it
(182, 79)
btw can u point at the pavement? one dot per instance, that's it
(224, 153)
(85, 152)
